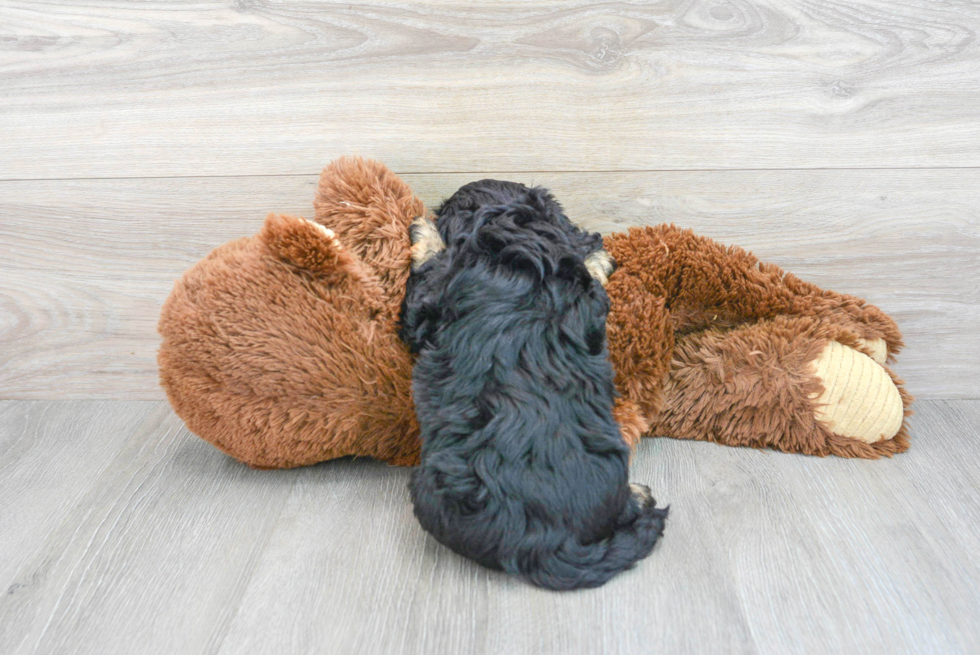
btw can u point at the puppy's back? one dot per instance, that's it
(523, 467)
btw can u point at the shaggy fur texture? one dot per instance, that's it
(281, 349)
(523, 466)
(271, 358)
(712, 344)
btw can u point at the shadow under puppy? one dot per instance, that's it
(523, 467)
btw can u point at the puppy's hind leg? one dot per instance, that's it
(600, 265)
(426, 241)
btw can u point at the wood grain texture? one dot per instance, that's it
(50, 457)
(875, 568)
(86, 264)
(152, 548)
(133, 88)
(350, 517)
(139, 535)
(86, 270)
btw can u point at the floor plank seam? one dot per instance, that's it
(215, 646)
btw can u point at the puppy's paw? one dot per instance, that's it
(642, 494)
(600, 265)
(426, 242)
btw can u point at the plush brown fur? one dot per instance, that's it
(754, 388)
(714, 345)
(281, 350)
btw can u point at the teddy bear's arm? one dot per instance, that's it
(712, 344)
(763, 385)
(707, 285)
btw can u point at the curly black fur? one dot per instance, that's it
(523, 467)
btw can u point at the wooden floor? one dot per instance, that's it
(839, 139)
(120, 532)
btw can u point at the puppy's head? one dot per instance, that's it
(460, 213)
(518, 224)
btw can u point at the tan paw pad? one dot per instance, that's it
(600, 266)
(859, 400)
(877, 348)
(426, 241)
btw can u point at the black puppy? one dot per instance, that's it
(523, 467)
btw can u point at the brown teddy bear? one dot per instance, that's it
(281, 349)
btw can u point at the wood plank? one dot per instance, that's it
(86, 264)
(127, 530)
(86, 270)
(51, 455)
(765, 552)
(156, 552)
(946, 476)
(834, 555)
(370, 580)
(133, 88)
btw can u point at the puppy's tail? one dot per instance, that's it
(568, 564)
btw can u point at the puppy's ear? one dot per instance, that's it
(600, 265)
(426, 241)
(419, 323)
(421, 313)
(572, 268)
(595, 328)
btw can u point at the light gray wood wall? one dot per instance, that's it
(841, 141)
(120, 89)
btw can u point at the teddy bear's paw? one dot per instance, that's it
(600, 265)
(877, 349)
(426, 240)
(859, 400)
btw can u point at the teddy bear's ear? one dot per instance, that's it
(305, 244)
